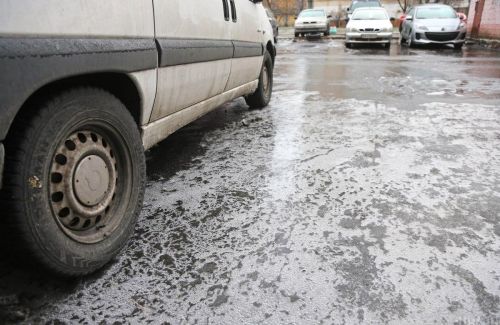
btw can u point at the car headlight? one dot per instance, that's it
(419, 27)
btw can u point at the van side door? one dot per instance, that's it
(247, 36)
(194, 40)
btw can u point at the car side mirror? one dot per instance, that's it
(409, 18)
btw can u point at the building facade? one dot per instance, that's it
(484, 19)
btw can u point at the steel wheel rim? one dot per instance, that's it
(86, 194)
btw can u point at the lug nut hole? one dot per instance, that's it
(56, 178)
(57, 197)
(70, 145)
(74, 221)
(61, 159)
(82, 137)
(94, 137)
(86, 224)
(64, 213)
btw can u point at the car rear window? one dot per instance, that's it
(370, 15)
(436, 13)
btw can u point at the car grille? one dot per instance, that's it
(369, 29)
(441, 37)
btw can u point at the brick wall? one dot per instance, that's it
(490, 21)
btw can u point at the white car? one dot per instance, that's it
(312, 21)
(86, 86)
(369, 25)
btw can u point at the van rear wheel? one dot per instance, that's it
(75, 181)
(262, 96)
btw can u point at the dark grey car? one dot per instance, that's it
(433, 23)
(274, 24)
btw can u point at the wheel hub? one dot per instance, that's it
(91, 180)
(83, 183)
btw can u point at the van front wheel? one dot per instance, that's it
(75, 173)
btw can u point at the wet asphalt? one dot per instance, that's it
(367, 192)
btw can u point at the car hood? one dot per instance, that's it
(439, 24)
(369, 24)
(317, 20)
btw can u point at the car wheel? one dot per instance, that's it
(297, 34)
(387, 45)
(76, 179)
(458, 46)
(262, 96)
(349, 45)
(410, 42)
(402, 40)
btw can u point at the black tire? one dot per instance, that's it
(410, 42)
(349, 45)
(387, 45)
(50, 150)
(402, 40)
(458, 46)
(297, 35)
(262, 96)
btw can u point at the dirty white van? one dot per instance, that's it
(86, 86)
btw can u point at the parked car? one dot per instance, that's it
(86, 86)
(369, 25)
(274, 24)
(356, 4)
(433, 23)
(312, 21)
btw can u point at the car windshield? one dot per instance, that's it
(312, 13)
(436, 13)
(370, 15)
(363, 4)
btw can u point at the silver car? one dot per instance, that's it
(312, 21)
(369, 25)
(434, 23)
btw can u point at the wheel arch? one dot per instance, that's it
(271, 49)
(120, 85)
